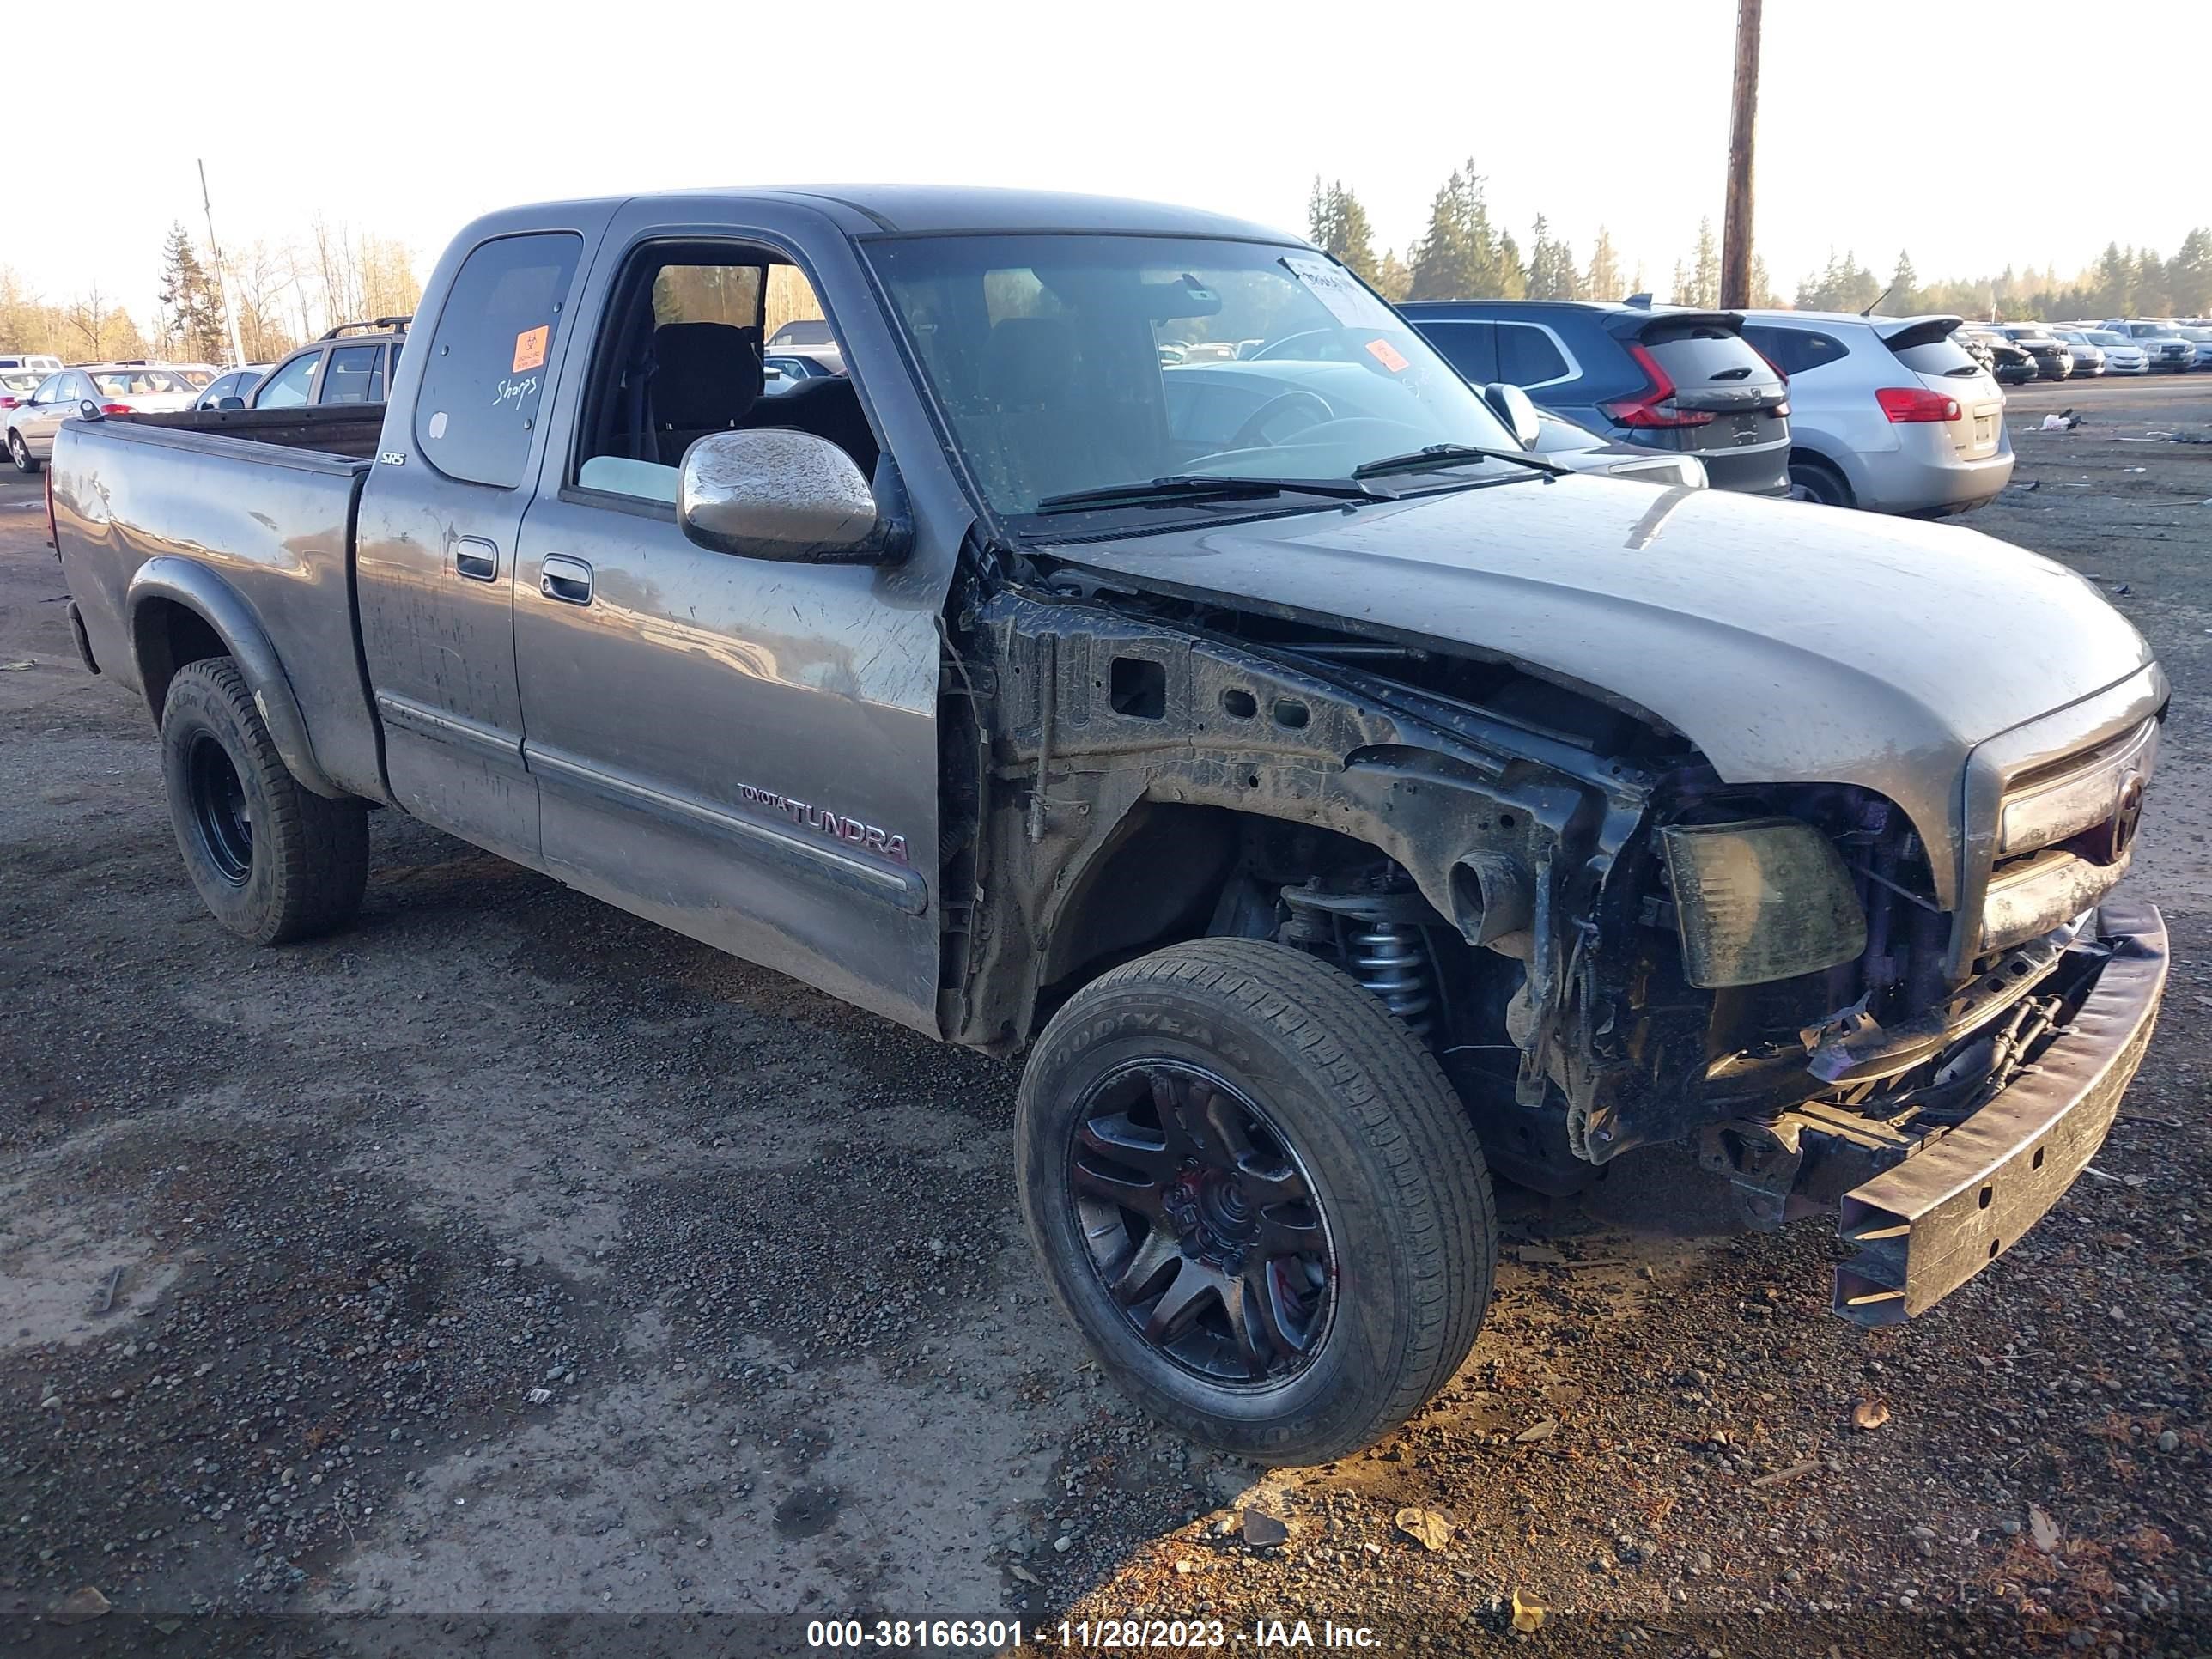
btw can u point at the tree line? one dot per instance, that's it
(285, 294)
(1463, 253)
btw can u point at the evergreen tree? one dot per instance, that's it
(2189, 275)
(1705, 270)
(1763, 295)
(2115, 282)
(1904, 287)
(2151, 297)
(1460, 256)
(1550, 265)
(1512, 278)
(1602, 280)
(1843, 285)
(1393, 277)
(192, 305)
(1337, 221)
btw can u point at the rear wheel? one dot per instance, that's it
(1258, 1196)
(20, 452)
(1811, 479)
(272, 861)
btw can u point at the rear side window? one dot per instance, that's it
(489, 362)
(1470, 348)
(1527, 356)
(1704, 354)
(1794, 350)
(288, 387)
(356, 375)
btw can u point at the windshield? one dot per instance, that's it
(135, 382)
(2105, 336)
(1076, 362)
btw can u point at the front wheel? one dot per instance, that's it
(20, 452)
(1255, 1191)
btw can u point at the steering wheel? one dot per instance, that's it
(1254, 432)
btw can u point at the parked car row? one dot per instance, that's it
(2118, 346)
(1894, 415)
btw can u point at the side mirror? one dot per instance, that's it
(230, 402)
(1512, 406)
(791, 496)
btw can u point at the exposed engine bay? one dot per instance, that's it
(1606, 945)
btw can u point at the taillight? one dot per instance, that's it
(117, 408)
(1654, 405)
(1903, 404)
(6, 402)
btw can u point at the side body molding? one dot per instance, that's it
(200, 590)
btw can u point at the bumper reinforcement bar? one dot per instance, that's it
(1926, 1226)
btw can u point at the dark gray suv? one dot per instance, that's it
(1656, 376)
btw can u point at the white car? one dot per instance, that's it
(231, 389)
(1890, 414)
(115, 388)
(43, 362)
(2122, 355)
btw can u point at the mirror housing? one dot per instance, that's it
(1513, 406)
(790, 496)
(230, 402)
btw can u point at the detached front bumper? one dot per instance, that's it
(1932, 1222)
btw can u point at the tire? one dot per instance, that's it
(20, 452)
(1327, 1094)
(272, 861)
(1814, 480)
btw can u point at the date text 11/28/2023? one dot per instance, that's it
(1005, 1635)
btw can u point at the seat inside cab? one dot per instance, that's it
(683, 360)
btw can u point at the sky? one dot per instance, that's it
(1970, 135)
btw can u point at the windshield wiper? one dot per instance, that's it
(1200, 486)
(1435, 455)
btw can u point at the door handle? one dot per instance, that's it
(476, 559)
(566, 579)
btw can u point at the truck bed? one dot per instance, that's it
(241, 522)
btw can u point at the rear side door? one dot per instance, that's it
(435, 545)
(1469, 345)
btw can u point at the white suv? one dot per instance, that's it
(1886, 413)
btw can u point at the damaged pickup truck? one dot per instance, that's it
(1152, 660)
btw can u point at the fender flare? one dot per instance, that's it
(215, 603)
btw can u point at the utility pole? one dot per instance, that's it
(222, 282)
(1735, 232)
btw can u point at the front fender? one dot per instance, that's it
(215, 602)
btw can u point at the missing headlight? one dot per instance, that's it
(1759, 900)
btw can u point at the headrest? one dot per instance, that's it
(705, 374)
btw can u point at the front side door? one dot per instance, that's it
(55, 402)
(744, 751)
(439, 516)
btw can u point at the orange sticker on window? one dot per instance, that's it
(530, 348)
(1387, 355)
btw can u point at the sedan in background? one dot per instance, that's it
(809, 337)
(2053, 360)
(1891, 414)
(231, 389)
(16, 385)
(2201, 339)
(2088, 355)
(2122, 355)
(115, 388)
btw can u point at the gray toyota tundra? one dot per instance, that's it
(1328, 801)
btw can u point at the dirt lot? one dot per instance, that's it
(509, 1256)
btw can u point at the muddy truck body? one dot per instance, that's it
(1150, 661)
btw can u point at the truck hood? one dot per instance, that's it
(1791, 643)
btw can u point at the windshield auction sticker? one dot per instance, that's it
(1339, 290)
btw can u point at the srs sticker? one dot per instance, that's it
(1387, 354)
(530, 348)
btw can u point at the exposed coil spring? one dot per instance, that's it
(1391, 959)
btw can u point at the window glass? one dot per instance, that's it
(1527, 355)
(1943, 356)
(1470, 348)
(1794, 350)
(288, 387)
(49, 389)
(489, 362)
(708, 293)
(354, 375)
(77, 387)
(139, 382)
(802, 330)
(1703, 352)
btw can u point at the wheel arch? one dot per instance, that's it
(179, 612)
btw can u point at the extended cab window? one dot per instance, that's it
(356, 375)
(484, 381)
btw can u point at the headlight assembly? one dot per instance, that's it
(1759, 900)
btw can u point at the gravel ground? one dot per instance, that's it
(460, 1280)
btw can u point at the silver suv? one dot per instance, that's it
(1886, 413)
